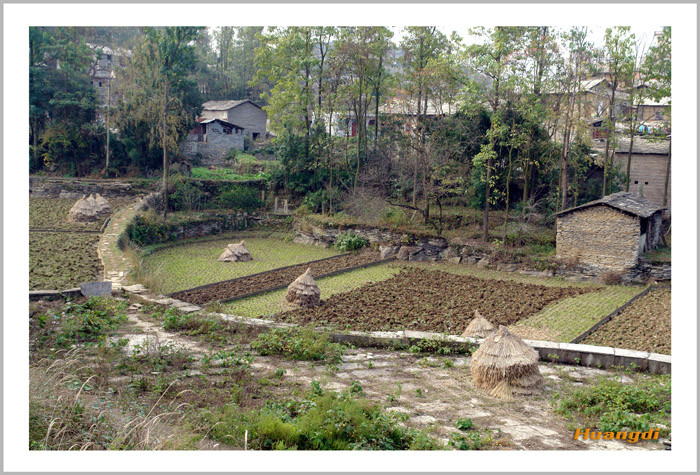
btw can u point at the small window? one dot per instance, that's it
(109, 57)
(100, 84)
(646, 182)
(636, 182)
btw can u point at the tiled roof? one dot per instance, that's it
(207, 121)
(225, 105)
(623, 201)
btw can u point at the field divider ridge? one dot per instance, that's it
(322, 276)
(610, 316)
(206, 286)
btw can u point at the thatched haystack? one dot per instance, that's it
(236, 253)
(506, 365)
(89, 209)
(304, 292)
(102, 205)
(479, 327)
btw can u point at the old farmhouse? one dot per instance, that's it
(609, 234)
(244, 113)
(211, 141)
(650, 167)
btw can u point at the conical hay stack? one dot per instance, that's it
(479, 327)
(102, 206)
(304, 292)
(236, 253)
(85, 209)
(506, 365)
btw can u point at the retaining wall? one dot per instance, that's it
(467, 251)
(565, 353)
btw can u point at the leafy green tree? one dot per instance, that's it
(158, 92)
(619, 62)
(495, 60)
(657, 67)
(62, 101)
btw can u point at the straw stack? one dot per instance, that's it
(479, 327)
(236, 253)
(304, 292)
(506, 366)
(102, 206)
(89, 209)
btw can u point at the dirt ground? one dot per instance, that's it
(434, 301)
(432, 391)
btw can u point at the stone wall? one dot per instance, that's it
(600, 237)
(647, 176)
(74, 188)
(468, 251)
(217, 145)
(251, 118)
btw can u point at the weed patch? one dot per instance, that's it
(325, 420)
(299, 344)
(611, 406)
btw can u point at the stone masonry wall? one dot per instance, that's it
(466, 251)
(251, 118)
(647, 176)
(600, 237)
(56, 187)
(217, 146)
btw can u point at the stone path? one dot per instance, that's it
(116, 265)
(432, 392)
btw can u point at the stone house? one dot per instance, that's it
(211, 140)
(609, 234)
(244, 113)
(650, 167)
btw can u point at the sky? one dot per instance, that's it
(596, 33)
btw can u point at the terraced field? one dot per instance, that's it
(194, 264)
(59, 261)
(645, 325)
(433, 301)
(63, 254)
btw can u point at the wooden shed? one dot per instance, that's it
(610, 233)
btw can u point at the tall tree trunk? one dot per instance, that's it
(629, 153)
(668, 173)
(563, 167)
(487, 196)
(510, 167)
(109, 87)
(165, 154)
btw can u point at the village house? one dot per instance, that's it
(211, 141)
(650, 167)
(609, 234)
(243, 113)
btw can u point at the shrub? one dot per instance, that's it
(612, 406)
(326, 420)
(611, 278)
(350, 242)
(298, 344)
(239, 197)
(91, 321)
(185, 197)
(231, 155)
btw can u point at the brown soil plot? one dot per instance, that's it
(433, 301)
(644, 326)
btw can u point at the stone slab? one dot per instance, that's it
(96, 289)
